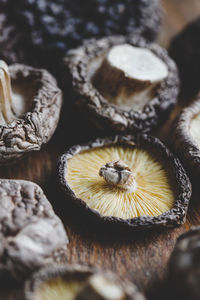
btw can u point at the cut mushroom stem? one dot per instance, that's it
(101, 288)
(7, 114)
(129, 75)
(119, 174)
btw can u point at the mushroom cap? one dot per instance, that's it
(170, 218)
(37, 126)
(31, 235)
(184, 265)
(97, 109)
(81, 273)
(186, 147)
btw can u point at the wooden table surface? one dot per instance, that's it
(143, 259)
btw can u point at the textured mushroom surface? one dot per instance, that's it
(31, 235)
(36, 104)
(131, 180)
(184, 49)
(186, 140)
(78, 283)
(40, 32)
(114, 98)
(184, 266)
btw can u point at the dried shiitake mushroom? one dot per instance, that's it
(122, 83)
(186, 138)
(30, 104)
(184, 265)
(78, 283)
(128, 182)
(184, 49)
(40, 32)
(31, 235)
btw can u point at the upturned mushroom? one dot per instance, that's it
(30, 104)
(122, 84)
(186, 140)
(125, 182)
(77, 282)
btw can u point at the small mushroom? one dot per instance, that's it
(78, 283)
(184, 266)
(122, 84)
(31, 235)
(30, 104)
(186, 140)
(126, 181)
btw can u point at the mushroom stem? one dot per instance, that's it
(128, 76)
(119, 174)
(6, 110)
(100, 287)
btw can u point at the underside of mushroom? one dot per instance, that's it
(79, 283)
(30, 104)
(122, 83)
(130, 183)
(95, 287)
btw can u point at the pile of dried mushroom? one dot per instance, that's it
(121, 84)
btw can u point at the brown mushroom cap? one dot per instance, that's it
(31, 235)
(35, 127)
(173, 217)
(184, 266)
(78, 274)
(104, 114)
(184, 143)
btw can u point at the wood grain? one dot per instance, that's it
(143, 259)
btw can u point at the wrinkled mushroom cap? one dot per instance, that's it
(35, 127)
(185, 134)
(184, 265)
(31, 235)
(81, 64)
